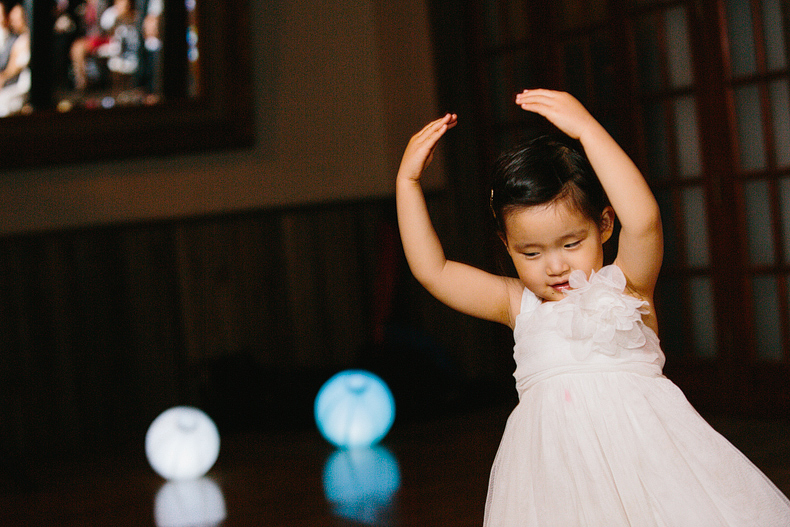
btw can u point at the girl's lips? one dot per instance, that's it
(564, 286)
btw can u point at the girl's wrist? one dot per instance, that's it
(592, 131)
(405, 179)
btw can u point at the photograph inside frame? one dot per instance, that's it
(101, 54)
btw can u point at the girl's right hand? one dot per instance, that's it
(419, 151)
(562, 109)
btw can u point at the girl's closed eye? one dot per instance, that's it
(573, 245)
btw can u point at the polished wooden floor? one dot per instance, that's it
(428, 473)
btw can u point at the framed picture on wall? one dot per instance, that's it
(85, 80)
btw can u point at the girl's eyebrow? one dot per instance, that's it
(579, 233)
(574, 234)
(526, 245)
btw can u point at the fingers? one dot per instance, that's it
(543, 105)
(419, 151)
(540, 103)
(560, 108)
(434, 130)
(448, 120)
(540, 92)
(538, 100)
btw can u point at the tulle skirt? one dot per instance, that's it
(622, 449)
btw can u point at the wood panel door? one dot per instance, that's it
(697, 93)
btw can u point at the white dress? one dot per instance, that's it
(601, 438)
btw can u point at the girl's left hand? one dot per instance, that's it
(419, 151)
(562, 109)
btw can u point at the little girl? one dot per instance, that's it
(599, 437)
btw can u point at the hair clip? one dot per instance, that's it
(491, 203)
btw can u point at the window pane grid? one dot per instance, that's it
(649, 43)
(758, 76)
(686, 309)
(678, 47)
(686, 320)
(743, 56)
(703, 316)
(687, 130)
(659, 167)
(685, 221)
(759, 223)
(765, 299)
(779, 93)
(756, 40)
(771, 322)
(779, 221)
(784, 314)
(762, 126)
(663, 51)
(751, 139)
(784, 300)
(695, 227)
(767, 223)
(588, 72)
(716, 155)
(773, 28)
(784, 208)
(759, 88)
(672, 151)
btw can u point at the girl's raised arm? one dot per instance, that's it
(462, 287)
(640, 246)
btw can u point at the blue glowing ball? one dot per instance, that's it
(354, 409)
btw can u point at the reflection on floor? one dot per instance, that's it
(426, 473)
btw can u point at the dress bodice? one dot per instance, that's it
(596, 327)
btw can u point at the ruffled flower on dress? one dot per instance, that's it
(599, 312)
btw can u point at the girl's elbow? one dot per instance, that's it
(426, 277)
(648, 227)
(649, 221)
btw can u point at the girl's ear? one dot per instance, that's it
(503, 238)
(607, 223)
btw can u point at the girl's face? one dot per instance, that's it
(548, 242)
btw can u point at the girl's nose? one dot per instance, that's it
(556, 266)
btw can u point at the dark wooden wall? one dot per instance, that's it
(244, 315)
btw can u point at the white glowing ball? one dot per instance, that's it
(182, 443)
(354, 409)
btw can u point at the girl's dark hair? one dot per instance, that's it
(544, 170)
